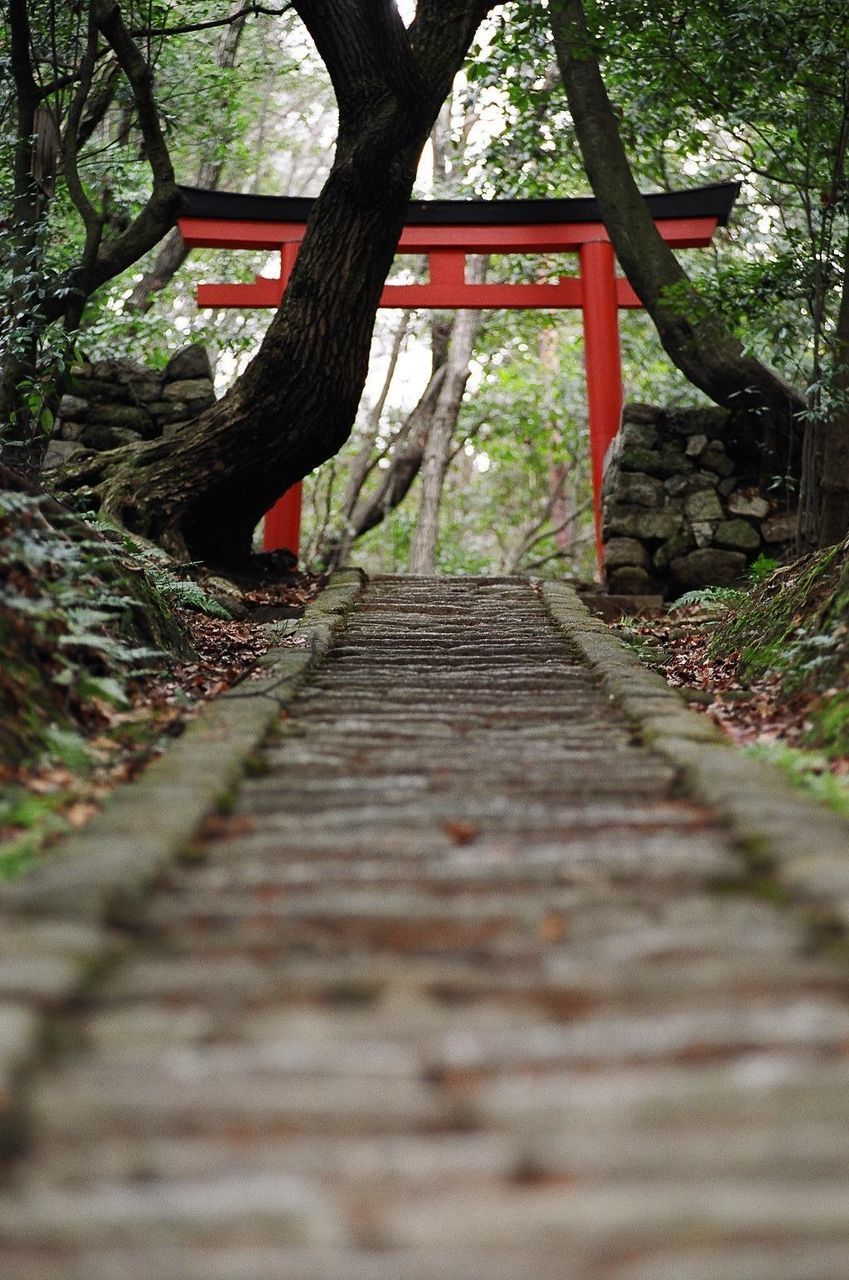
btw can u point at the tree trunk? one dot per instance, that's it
(824, 499)
(694, 337)
(397, 480)
(203, 491)
(435, 459)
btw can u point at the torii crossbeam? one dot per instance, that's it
(446, 231)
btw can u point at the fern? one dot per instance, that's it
(711, 598)
(188, 595)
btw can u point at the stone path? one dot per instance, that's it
(461, 990)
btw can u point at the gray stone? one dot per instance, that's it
(73, 407)
(61, 452)
(641, 490)
(166, 411)
(639, 435)
(99, 435)
(710, 421)
(708, 567)
(747, 504)
(677, 546)
(130, 416)
(622, 551)
(655, 462)
(739, 535)
(100, 390)
(71, 430)
(694, 482)
(702, 532)
(780, 528)
(194, 391)
(191, 362)
(716, 459)
(638, 413)
(726, 486)
(630, 579)
(704, 505)
(696, 446)
(652, 525)
(121, 369)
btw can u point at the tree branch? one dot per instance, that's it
(148, 33)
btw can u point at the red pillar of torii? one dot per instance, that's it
(446, 231)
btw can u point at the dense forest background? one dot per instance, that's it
(241, 99)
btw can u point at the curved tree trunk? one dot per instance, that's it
(397, 480)
(203, 491)
(695, 338)
(435, 459)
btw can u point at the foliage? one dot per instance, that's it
(79, 618)
(808, 770)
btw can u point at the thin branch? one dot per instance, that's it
(148, 33)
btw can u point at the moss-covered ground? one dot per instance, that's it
(770, 663)
(106, 647)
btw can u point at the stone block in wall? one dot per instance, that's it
(737, 535)
(704, 505)
(708, 566)
(636, 411)
(131, 416)
(625, 551)
(693, 482)
(780, 528)
(191, 362)
(637, 435)
(199, 393)
(73, 408)
(742, 503)
(101, 435)
(714, 458)
(696, 446)
(165, 411)
(666, 461)
(631, 580)
(641, 490)
(707, 420)
(99, 391)
(60, 453)
(702, 531)
(673, 549)
(646, 524)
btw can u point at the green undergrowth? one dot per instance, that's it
(795, 626)
(809, 770)
(85, 616)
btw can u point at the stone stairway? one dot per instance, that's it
(460, 990)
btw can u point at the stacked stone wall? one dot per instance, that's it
(115, 402)
(685, 503)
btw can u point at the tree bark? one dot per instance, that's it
(397, 480)
(695, 338)
(435, 460)
(203, 491)
(824, 499)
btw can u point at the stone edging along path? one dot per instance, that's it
(793, 841)
(57, 925)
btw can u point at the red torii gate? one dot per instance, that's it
(447, 230)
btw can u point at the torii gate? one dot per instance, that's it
(447, 230)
